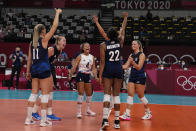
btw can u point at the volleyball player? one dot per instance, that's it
(111, 69)
(86, 64)
(137, 80)
(53, 54)
(38, 65)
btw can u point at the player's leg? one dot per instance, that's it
(45, 82)
(116, 92)
(50, 114)
(89, 92)
(107, 84)
(80, 86)
(140, 88)
(32, 100)
(131, 93)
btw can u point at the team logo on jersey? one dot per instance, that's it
(136, 59)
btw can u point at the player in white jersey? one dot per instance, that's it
(86, 64)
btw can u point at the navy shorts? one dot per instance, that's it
(42, 75)
(138, 80)
(113, 71)
(82, 77)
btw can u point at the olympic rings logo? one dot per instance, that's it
(187, 84)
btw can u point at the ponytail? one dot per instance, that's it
(36, 34)
(58, 38)
(140, 43)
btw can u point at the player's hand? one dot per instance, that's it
(95, 18)
(58, 10)
(131, 59)
(97, 79)
(28, 76)
(125, 14)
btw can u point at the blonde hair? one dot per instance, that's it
(140, 44)
(36, 33)
(58, 38)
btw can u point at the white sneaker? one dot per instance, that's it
(125, 117)
(46, 123)
(29, 122)
(147, 116)
(90, 113)
(79, 115)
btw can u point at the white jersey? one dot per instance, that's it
(86, 62)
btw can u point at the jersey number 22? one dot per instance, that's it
(114, 55)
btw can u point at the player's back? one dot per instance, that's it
(113, 66)
(40, 61)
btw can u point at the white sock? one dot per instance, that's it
(43, 115)
(128, 112)
(49, 110)
(29, 113)
(79, 107)
(148, 110)
(88, 103)
(105, 113)
(35, 108)
(117, 113)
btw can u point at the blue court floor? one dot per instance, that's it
(98, 97)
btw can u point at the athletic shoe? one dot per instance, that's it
(125, 117)
(53, 117)
(117, 124)
(29, 122)
(90, 113)
(104, 125)
(36, 116)
(147, 116)
(46, 123)
(79, 115)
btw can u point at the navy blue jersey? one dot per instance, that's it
(54, 56)
(135, 72)
(113, 67)
(112, 53)
(40, 61)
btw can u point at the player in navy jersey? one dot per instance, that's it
(53, 54)
(38, 68)
(111, 69)
(86, 64)
(137, 80)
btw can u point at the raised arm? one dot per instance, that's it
(141, 62)
(102, 61)
(29, 61)
(102, 32)
(53, 28)
(73, 69)
(122, 30)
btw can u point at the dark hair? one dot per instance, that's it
(112, 33)
(82, 47)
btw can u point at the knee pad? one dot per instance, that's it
(80, 99)
(106, 98)
(51, 96)
(116, 99)
(130, 100)
(88, 99)
(45, 98)
(144, 100)
(33, 97)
